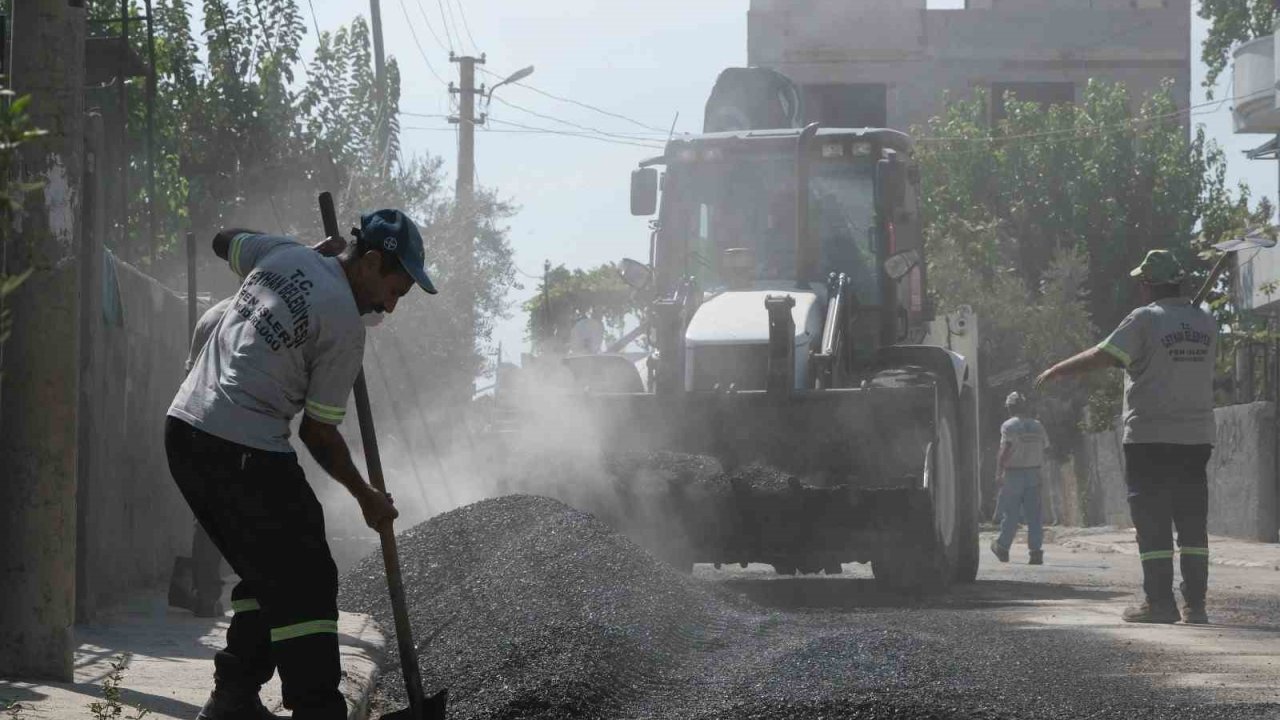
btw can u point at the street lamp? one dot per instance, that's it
(516, 76)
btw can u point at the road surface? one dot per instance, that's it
(1024, 642)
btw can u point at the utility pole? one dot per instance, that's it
(466, 188)
(379, 88)
(41, 391)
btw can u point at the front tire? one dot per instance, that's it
(941, 541)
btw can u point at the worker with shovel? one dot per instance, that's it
(292, 341)
(1167, 348)
(196, 582)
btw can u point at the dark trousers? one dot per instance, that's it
(262, 515)
(206, 566)
(1169, 488)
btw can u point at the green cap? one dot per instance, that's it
(1159, 267)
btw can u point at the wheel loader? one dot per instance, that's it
(791, 330)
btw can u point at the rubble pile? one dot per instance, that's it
(523, 607)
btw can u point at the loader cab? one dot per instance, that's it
(728, 221)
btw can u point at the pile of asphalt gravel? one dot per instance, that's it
(524, 607)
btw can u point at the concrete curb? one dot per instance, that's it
(363, 645)
(1105, 546)
(169, 665)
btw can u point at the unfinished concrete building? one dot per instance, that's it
(890, 62)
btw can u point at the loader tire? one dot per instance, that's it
(934, 551)
(966, 569)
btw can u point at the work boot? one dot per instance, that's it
(1037, 557)
(1148, 612)
(227, 705)
(1193, 615)
(1194, 586)
(1001, 553)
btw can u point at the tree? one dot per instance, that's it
(565, 296)
(249, 133)
(1231, 22)
(15, 130)
(1036, 220)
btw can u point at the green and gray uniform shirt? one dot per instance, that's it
(291, 340)
(1168, 350)
(1027, 441)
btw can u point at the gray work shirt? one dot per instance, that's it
(1168, 350)
(1027, 441)
(291, 340)
(204, 329)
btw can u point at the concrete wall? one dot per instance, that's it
(132, 518)
(1242, 475)
(38, 388)
(922, 53)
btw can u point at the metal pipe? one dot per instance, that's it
(192, 306)
(151, 132)
(806, 257)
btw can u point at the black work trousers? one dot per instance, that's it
(1169, 487)
(263, 516)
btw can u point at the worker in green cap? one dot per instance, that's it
(1167, 348)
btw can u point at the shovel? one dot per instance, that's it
(1251, 239)
(420, 706)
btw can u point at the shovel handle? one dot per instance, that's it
(1213, 278)
(386, 534)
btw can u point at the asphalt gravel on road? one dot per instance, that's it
(527, 608)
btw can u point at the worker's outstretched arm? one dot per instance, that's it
(1095, 358)
(222, 241)
(329, 449)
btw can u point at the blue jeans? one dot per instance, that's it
(1020, 498)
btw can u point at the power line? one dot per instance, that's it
(1133, 120)
(522, 272)
(314, 23)
(579, 103)
(529, 130)
(445, 22)
(453, 22)
(570, 133)
(430, 28)
(414, 34)
(466, 26)
(552, 118)
(395, 411)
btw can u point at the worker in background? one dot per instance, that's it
(292, 341)
(196, 583)
(1022, 445)
(1167, 348)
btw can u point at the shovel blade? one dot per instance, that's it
(433, 708)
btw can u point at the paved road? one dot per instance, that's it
(1022, 642)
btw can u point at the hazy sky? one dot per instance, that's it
(645, 59)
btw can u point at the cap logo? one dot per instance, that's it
(390, 244)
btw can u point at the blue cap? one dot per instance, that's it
(392, 231)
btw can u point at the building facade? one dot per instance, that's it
(891, 63)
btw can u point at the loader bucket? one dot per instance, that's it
(870, 438)
(810, 477)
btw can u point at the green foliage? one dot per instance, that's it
(566, 295)
(15, 130)
(1036, 221)
(112, 706)
(1231, 22)
(249, 132)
